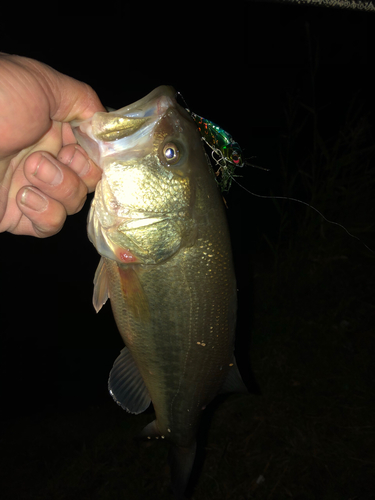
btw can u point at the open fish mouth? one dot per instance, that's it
(126, 130)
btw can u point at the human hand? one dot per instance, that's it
(44, 174)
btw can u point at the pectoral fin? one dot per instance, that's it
(126, 385)
(132, 291)
(101, 293)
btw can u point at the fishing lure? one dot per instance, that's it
(226, 152)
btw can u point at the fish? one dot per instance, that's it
(158, 222)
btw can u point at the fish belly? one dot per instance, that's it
(178, 320)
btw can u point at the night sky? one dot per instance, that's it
(233, 67)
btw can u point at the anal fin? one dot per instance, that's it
(234, 382)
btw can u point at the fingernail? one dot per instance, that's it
(32, 199)
(79, 163)
(48, 172)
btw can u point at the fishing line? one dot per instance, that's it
(307, 205)
(222, 165)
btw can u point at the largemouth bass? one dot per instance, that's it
(158, 221)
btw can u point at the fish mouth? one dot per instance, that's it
(126, 132)
(120, 131)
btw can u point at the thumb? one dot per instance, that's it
(72, 99)
(68, 99)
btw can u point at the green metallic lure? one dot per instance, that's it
(226, 152)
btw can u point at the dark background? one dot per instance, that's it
(234, 66)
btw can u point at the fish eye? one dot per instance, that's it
(171, 153)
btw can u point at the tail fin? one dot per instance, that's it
(181, 462)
